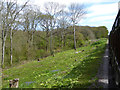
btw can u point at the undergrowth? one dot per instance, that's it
(68, 69)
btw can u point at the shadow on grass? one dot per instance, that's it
(86, 71)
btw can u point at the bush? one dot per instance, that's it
(24, 50)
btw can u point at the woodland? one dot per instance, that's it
(29, 33)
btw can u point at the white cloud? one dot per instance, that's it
(102, 18)
(70, 1)
(103, 9)
(67, 2)
(101, 14)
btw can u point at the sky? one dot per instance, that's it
(99, 12)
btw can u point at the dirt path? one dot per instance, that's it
(103, 71)
(103, 74)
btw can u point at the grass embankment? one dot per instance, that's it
(71, 69)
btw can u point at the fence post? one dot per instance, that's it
(14, 83)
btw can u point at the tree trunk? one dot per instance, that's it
(11, 46)
(47, 42)
(65, 40)
(3, 48)
(62, 39)
(51, 43)
(74, 38)
(32, 38)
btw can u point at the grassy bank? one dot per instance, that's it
(66, 69)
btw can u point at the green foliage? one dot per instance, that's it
(100, 32)
(93, 32)
(79, 39)
(25, 49)
(68, 69)
(98, 42)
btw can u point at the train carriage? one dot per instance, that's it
(114, 49)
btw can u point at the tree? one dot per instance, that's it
(63, 24)
(1, 43)
(76, 12)
(45, 25)
(10, 17)
(34, 15)
(30, 21)
(29, 24)
(53, 9)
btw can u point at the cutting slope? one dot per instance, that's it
(66, 69)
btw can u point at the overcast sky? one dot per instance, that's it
(99, 12)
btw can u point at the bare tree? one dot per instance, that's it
(14, 10)
(10, 17)
(76, 13)
(31, 20)
(52, 9)
(63, 23)
(4, 26)
(34, 20)
(45, 21)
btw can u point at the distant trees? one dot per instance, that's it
(45, 25)
(29, 18)
(63, 24)
(28, 32)
(30, 21)
(10, 19)
(52, 9)
(20, 45)
(76, 12)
